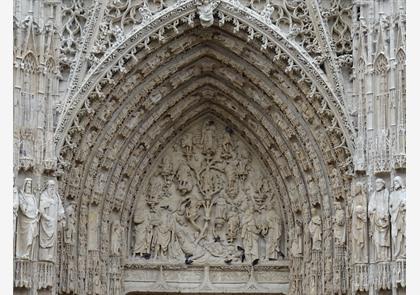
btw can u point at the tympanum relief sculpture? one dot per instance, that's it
(208, 200)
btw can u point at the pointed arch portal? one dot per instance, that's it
(172, 124)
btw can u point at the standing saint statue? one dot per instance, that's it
(315, 230)
(208, 138)
(249, 236)
(359, 224)
(116, 238)
(379, 219)
(296, 235)
(15, 212)
(27, 222)
(70, 231)
(52, 213)
(339, 221)
(397, 207)
(273, 235)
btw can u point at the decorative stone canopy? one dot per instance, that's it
(207, 146)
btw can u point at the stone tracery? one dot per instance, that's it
(148, 74)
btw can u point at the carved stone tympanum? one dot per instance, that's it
(208, 201)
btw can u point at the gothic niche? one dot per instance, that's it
(208, 200)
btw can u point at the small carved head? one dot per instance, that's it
(337, 205)
(27, 185)
(379, 184)
(398, 183)
(358, 188)
(51, 185)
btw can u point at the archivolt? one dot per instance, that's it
(170, 21)
(125, 123)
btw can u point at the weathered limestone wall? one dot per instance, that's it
(315, 90)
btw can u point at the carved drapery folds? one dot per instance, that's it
(27, 222)
(382, 215)
(236, 195)
(40, 220)
(208, 201)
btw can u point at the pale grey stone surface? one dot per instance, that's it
(112, 102)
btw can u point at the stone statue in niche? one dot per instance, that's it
(379, 219)
(52, 216)
(207, 139)
(297, 242)
(315, 230)
(121, 189)
(100, 183)
(397, 210)
(201, 206)
(27, 222)
(116, 238)
(359, 224)
(273, 234)
(70, 229)
(339, 222)
(15, 210)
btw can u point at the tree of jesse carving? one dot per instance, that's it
(208, 200)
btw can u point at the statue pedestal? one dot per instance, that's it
(23, 273)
